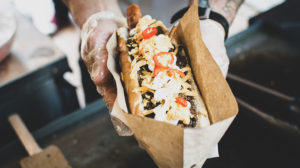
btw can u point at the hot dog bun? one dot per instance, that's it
(156, 74)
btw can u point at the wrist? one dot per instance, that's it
(82, 10)
(204, 14)
(227, 8)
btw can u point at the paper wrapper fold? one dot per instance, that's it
(170, 145)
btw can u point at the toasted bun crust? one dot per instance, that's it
(129, 83)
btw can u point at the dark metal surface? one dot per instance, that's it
(259, 87)
(284, 18)
(271, 60)
(265, 132)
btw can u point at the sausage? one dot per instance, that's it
(133, 15)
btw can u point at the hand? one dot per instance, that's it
(213, 33)
(95, 57)
(213, 36)
(94, 52)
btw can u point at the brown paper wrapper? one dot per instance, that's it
(170, 145)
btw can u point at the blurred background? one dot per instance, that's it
(41, 74)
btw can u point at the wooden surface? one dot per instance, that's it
(30, 51)
(51, 157)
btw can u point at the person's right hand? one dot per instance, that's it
(94, 52)
(95, 57)
(96, 29)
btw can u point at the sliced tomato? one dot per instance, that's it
(159, 57)
(157, 69)
(171, 72)
(149, 32)
(181, 101)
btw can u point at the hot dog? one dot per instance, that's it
(156, 74)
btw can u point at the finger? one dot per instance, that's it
(95, 55)
(109, 92)
(99, 71)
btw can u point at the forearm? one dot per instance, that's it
(227, 8)
(82, 9)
